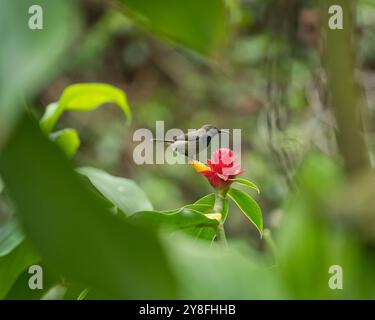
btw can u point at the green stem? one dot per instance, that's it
(220, 234)
(218, 208)
(219, 202)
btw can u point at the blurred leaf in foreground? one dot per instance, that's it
(83, 240)
(28, 58)
(10, 236)
(199, 25)
(209, 272)
(310, 242)
(14, 263)
(21, 291)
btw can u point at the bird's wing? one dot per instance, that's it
(194, 135)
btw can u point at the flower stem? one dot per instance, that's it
(220, 234)
(218, 208)
(219, 203)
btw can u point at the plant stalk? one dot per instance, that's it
(218, 208)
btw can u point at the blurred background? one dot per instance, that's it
(266, 79)
(303, 96)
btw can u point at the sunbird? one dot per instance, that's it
(192, 143)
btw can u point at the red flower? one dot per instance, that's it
(222, 170)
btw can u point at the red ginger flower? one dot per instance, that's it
(222, 170)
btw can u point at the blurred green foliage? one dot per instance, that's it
(73, 219)
(28, 59)
(236, 64)
(67, 139)
(196, 24)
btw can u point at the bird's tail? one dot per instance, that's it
(163, 140)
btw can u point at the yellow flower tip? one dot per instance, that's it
(216, 216)
(198, 166)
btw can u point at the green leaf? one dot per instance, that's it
(309, 241)
(84, 97)
(13, 264)
(209, 272)
(73, 291)
(67, 139)
(180, 219)
(29, 58)
(21, 291)
(10, 236)
(202, 233)
(209, 200)
(125, 194)
(78, 292)
(191, 219)
(202, 208)
(1, 185)
(83, 294)
(196, 24)
(74, 232)
(247, 183)
(248, 206)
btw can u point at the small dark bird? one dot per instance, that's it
(192, 143)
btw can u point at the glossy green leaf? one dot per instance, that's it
(247, 183)
(191, 219)
(202, 208)
(196, 24)
(10, 236)
(84, 97)
(67, 139)
(125, 194)
(207, 200)
(13, 264)
(183, 218)
(29, 58)
(248, 206)
(210, 201)
(74, 231)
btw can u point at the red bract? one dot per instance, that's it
(223, 169)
